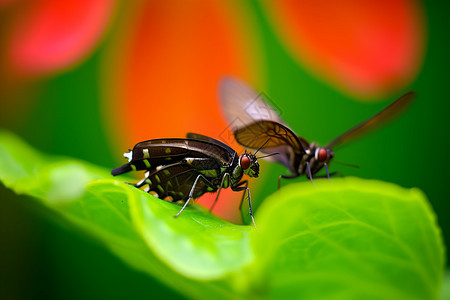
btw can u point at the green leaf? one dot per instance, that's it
(136, 226)
(352, 239)
(445, 293)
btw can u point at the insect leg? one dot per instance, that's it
(285, 177)
(220, 188)
(191, 193)
(309, 172)
(328, 174)
(243, 188)
(244, 182)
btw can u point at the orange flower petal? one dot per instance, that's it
(365, 48)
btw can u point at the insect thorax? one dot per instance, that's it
(236, 175)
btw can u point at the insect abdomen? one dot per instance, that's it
(122, 169)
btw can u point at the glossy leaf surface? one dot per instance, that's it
(359, 238)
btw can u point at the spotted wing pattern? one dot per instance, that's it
(148, 155)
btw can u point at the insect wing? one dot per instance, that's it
(268, 134)
(167, 151)
(208, 139)
(387, 114)
(274, 136)
(242, 105)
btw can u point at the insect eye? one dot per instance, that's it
(322, 155)
(245, 162)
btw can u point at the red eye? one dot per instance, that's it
(323, 155)
(245, 162)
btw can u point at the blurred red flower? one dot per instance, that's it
(42, 37)
(365, 48)
(166, 57)
(49, 35)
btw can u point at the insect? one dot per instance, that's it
(255, 120)
(186, 168)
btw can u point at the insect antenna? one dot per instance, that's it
(346, 164)
(268, 155)
(261, 146)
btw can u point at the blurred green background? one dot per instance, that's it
(62, 111)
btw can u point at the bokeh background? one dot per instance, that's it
(89, 79)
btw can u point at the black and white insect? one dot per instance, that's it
(255, 121)
(186, 168)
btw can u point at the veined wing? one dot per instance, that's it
(164, 151)
(272, 137)
(268, 134)
(242, 105)
(387, 114)
(208, 139)
(148, 155)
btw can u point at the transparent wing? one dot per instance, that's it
(242, 105)
(387, 114)
(254, 121)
